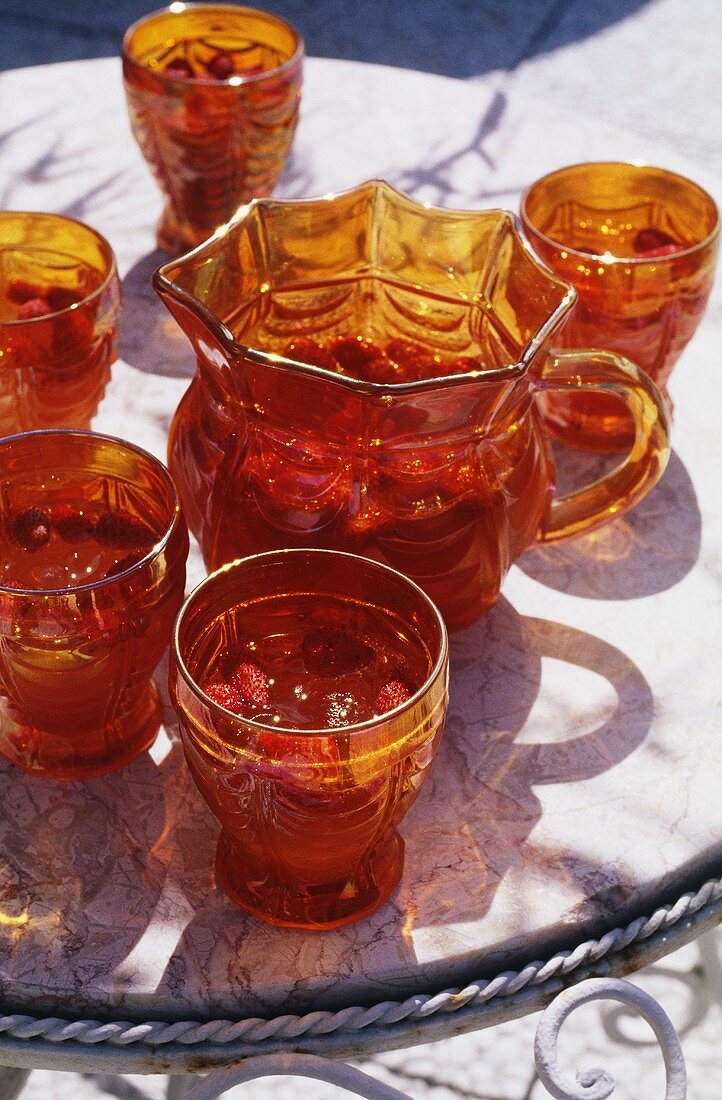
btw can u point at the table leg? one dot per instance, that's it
(12, 1081)
(597, 1082)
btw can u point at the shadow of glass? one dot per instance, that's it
(481, 806)
(150, 339)
(648, 550)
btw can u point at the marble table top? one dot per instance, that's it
(578, 782)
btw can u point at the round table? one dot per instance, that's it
(572, 825)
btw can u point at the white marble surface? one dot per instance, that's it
(578, 783)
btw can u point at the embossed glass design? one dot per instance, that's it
(92, 576)
(639, 244)
(309, 816)
(213, 93)
(59, 310)
(447, 479)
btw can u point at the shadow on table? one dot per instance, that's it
(84, 876)
(482, 807)
(150, 338)
(648, 550)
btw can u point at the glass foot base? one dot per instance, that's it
(79, 755)
(311, 907)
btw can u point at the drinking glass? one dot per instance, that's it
(639, 244)
(59, 309)
(213, 93)
(309, 815)
(92, 574)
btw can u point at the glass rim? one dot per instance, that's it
(237, 81)
(153, 552)
(164, 285)
(287, 732)
(112, 272)
(605, 257)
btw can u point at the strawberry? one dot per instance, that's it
(123, 530)
(381, 370)
(221, 66)
(333, 651)
(308, 351)
(225, 695)
(655, 242)
(62, 297)
(20, 291)
(179, 69)
(391, 695)
(33, 308)
(353, 354)
(125, 563)
(70, 523)
(31, 529)
(413, 361)
(251, 684)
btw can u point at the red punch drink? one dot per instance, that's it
(92, 572)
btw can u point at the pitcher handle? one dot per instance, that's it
(625, 485)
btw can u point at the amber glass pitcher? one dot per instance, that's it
(422, 444)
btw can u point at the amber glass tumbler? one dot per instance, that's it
(213, 92)
(639, 244)
(308, 816)
(59, 310)
(76, 696)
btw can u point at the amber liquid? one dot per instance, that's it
(308, 818)
(646, 309)
(56, 356)
(85, 613)
(453, 489)
(72, 555)
(212, 119)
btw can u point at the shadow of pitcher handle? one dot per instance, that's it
(624, 486)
